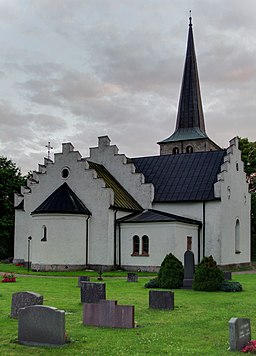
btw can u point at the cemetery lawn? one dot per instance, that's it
(198, 325)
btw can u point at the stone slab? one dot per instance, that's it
(83, 279)
(132, 277)
(107, 313)
(161, 299)
(24, 299)
(92, 292)
(41, 325)
(239, 333)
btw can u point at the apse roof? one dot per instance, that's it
(64, 201)
(182, 177)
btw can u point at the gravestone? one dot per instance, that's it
(92, 292)
(189, 269)
(24, 299)
(41, 325)
(107, 313)
(161, 299)
(239, 333)
(227, 275)
(83, 279)
(132, 277)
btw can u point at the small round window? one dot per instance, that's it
(65, 173)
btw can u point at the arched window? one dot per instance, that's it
(237, 236)
(136, 245)
(175, 151)
(44, 233)
(189, 149)
(145, 245)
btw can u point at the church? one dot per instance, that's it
(109, 211)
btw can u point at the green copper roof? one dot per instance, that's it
(183, 134)
(122, 199)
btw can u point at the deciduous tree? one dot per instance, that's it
(10, 182)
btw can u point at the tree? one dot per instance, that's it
(248, 153)
(10, 182)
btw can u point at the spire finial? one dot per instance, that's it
(190, 18)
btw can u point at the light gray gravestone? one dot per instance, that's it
(41, 325)
(92, 292)
(132, 277)
(83, 279)
(107, 313)
(239, 333)
(24, 299)
(189, 269)
(161, 299)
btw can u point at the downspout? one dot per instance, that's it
(203, 228)
(198, 245)
(87, 241)
(115, 212)
(119, 247)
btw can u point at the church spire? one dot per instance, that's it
(189, 135)
(190, 111)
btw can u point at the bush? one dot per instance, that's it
(171, 272)
(208, 277)
(231, 287)
(153, 283)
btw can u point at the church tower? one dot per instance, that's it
(189, 135)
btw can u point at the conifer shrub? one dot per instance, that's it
(170, 275)
(208, 277)
(228, 286)
(152, 283)
(171, 272)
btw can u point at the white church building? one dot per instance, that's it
(111, 211)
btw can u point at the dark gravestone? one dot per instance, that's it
(161, 299)
(132, 277)
(92, 292)
(227, 275)
(239, 333)
(24, 299)
(41, 325)
(83, 279)
(107, 313)
(189, 269)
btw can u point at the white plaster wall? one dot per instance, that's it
(164, 238)
(123, 171)
(90, 189)
(236, 203)
(20, 236)
(66, 239)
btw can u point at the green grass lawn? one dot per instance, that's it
(197, 326)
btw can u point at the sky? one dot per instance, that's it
(74, 70)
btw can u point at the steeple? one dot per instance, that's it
(190, 111)
(189, 135)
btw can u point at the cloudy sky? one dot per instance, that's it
(73, 70)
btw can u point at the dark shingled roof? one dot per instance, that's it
(182, 177)
(122, 199)
(64, 201)
(152, 215)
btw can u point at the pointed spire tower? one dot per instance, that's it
(189, 135)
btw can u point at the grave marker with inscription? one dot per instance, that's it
(24, 299)
(239, 333)
(41, 325)
(92, 292)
